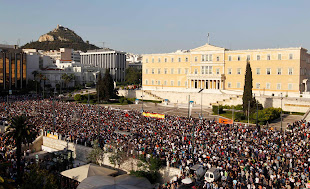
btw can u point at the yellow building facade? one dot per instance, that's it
(284, 70)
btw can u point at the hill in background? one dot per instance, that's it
(60, 37)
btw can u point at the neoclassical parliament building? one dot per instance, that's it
(281, 70)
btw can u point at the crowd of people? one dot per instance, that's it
(247, 158)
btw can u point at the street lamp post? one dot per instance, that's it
(200, 102)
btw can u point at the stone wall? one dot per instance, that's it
(79, 152)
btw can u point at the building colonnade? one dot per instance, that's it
(205, 84)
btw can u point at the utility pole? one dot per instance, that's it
(189, 101)
(281, 114)
(233, 112)
(218, 112)
(256, 113)
(142, 100)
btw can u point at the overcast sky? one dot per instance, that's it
(158, 26)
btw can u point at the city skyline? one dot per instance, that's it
(161, 27)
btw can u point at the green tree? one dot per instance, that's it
(97, 154)
(133, 76)
(108, 90)
(39, 178)
(247, 92)
(67, 78)
(20, 131)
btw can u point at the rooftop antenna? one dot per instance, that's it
(208, 38)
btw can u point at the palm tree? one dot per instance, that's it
(67, 78)
(21, 131)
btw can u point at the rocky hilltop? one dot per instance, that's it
(60, 37)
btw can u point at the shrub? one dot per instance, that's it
(215, 109)
(78, 97)
(239, 116)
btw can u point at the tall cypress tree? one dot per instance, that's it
(108, 86)
(248, 85)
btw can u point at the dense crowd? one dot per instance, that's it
(246, 157)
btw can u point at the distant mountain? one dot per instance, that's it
(60, 37)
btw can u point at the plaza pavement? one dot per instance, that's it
(182, 110)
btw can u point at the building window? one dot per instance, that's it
(267, 85)
(196, 71)
(165, 59)
(207, 57)
(146, 71)
(152, 82)
(238, 71)
(165, 82)
(171, 83)
(172, 59)
(278, 86)
(146, 60)
(228, 85)
(268, 56)
(196, 58)
(217, 58)
(172, 70)
(185, 83)
(158, 60)
(229, 58)
(179, 83)
(238, 85)
(166, 71)
(186, 59)
(268, 71)
(210, 57)
(179, 70)
(229, 71)
(258, 57)
(290, 86)
(291, 56)
(279, 56)
(279, 71)
(257, 71)
(210, 69)
(146, 82)
(153, 71)
(217, 71)
(290, 71)
(203, 58)
(239, 58)
(179, 59)
(202, 70)
(186, 70)
(248, 57)
(152, 60)
(158, 71)
(257, 85)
